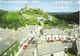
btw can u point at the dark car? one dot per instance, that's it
(33, 42)
(66, 41)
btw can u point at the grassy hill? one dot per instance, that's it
(12, 20)
(33, 13)
(15, 19)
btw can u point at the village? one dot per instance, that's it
(36, 40)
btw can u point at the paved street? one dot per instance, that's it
(22, 51)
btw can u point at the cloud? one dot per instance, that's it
(35, 2)
(63, 7)
(14, 2)
(78, 2)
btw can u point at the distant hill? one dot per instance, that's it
(69, 17)
(74, 17)
(61, 12)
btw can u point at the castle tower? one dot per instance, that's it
(27, 6)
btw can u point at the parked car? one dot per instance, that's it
(29, 41)
(33, 42)
(72, 41)
(51, 40)
(25, 46)
(67, 41)
(48, 41)
(62, 41)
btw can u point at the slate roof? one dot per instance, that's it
(69, 45)
(10, 37)
(5, 44)
(4, 33)
(21, 34)
(48, 48)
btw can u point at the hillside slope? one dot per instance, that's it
(33, 13)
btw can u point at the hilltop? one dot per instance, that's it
(32, 14)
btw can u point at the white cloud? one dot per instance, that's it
(63, 7)
(14, 2)
(35, 2)
(43, 3)
(78, 2)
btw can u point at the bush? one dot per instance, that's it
(8, 52)
(12, 20)
(70, 54)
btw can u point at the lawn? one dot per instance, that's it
(33, 15)
(33, 22)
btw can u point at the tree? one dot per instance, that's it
(12, 20)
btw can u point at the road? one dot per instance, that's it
(22, 51)
(30, 48)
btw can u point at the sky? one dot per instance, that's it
(47, 6)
